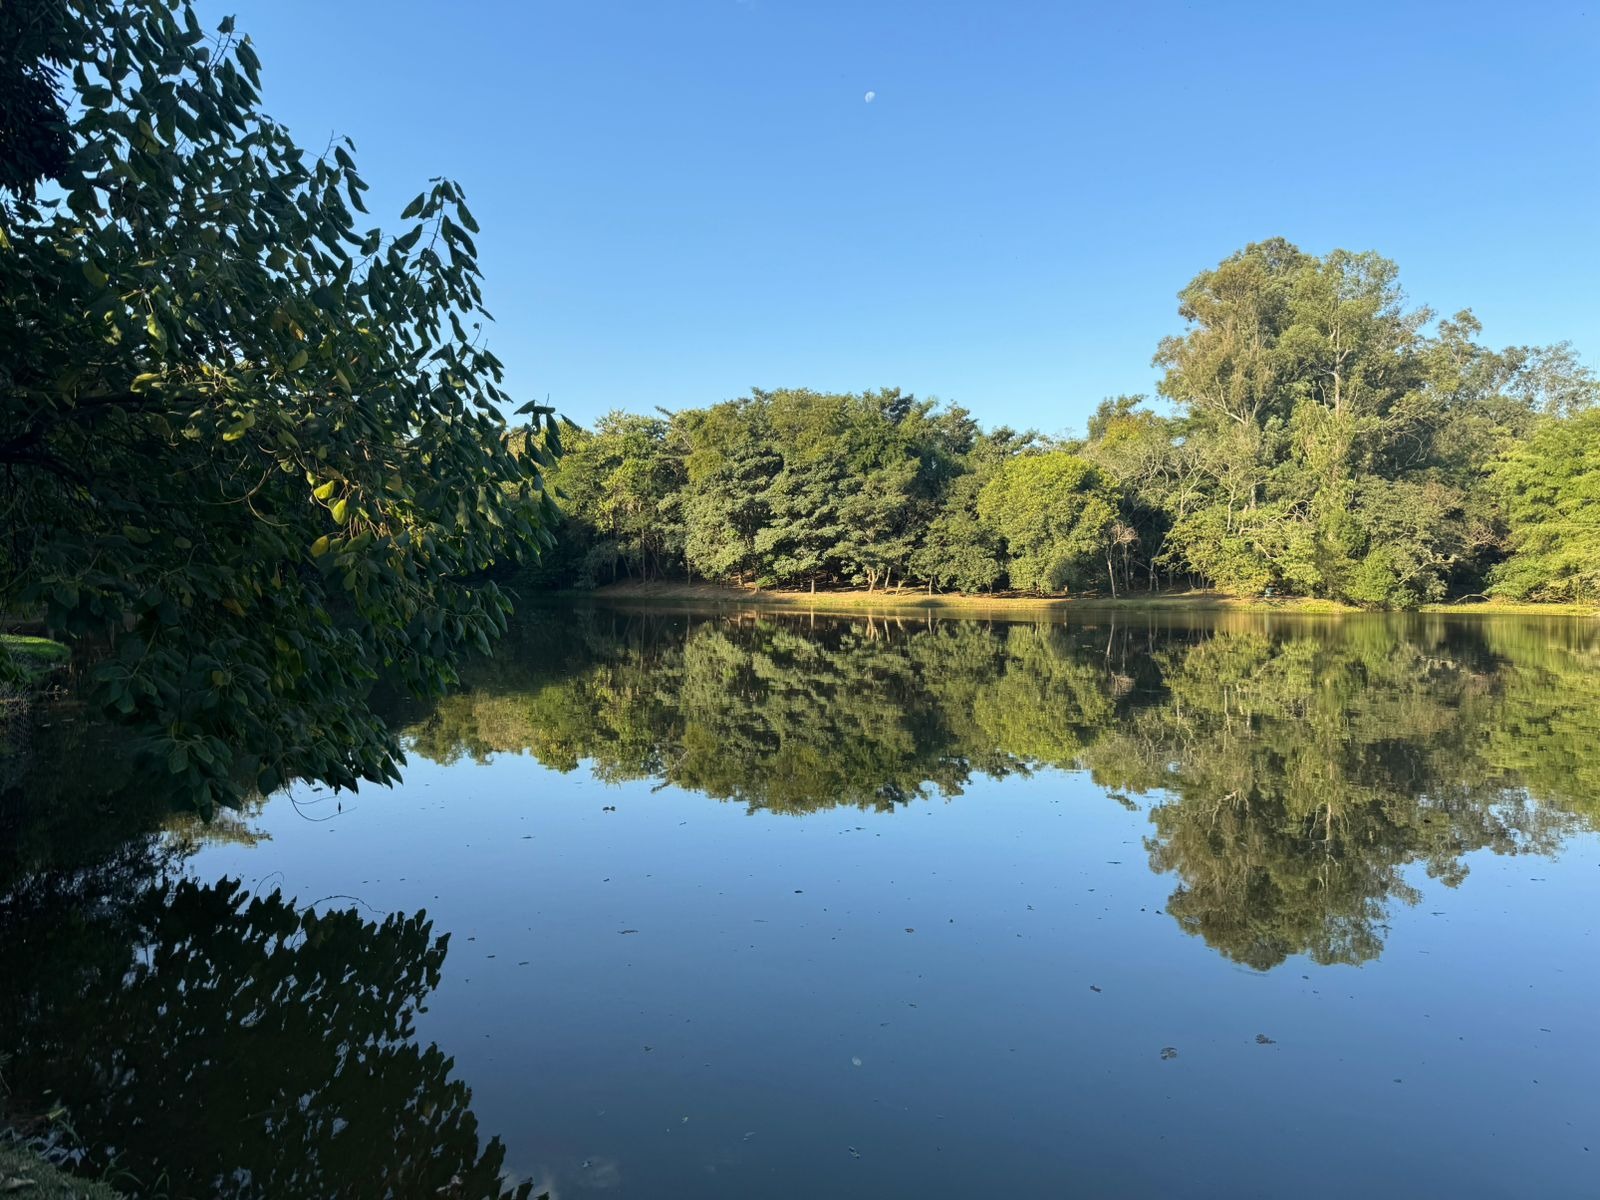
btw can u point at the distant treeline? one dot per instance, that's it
(1323, 439)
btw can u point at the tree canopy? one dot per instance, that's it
(1315, 434)
(253, 447)
(1551, 488)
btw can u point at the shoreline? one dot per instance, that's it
(907, 600)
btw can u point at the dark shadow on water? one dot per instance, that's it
(191, 1041)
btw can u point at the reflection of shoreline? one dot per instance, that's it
(1296, 768)
(695, 596)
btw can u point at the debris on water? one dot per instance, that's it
(627, 931)
(1263, 1040)
(1168, 1052)
(749, 1134)
(855, 1061)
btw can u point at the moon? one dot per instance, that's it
(870, 97)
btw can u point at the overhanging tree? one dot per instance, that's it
(253, 452)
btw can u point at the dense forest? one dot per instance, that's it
(1314, 435)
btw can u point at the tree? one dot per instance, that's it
(959, 550)
(1335, 444)
(1551, 485)
(254, 454)
(616, 487)
(1327, 438)
(1056, 516)
(730, 468)
(1136, 449)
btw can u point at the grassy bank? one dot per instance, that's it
(31, 660)
(1512, 608)
(28, 1177)
(911, 600)
(26, 663)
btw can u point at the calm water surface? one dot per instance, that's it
(794, 906)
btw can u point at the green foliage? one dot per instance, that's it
(960, 549)
(1551, 485)
(254, 452)
(1332, 445)
(1328, 440)
(1055, 515)
(617, 486)
(782, 488)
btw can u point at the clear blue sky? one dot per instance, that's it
(684, 198)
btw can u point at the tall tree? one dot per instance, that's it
(1551, 485)
(253, 453)
(1056, 515)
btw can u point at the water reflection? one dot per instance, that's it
(1293, 770)
(194, 1041)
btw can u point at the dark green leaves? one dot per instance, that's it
(191, 343)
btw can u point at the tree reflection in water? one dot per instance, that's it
(202, 1042)
(1296, 774)
(1294, 769)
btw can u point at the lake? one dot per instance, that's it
(730, 904)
